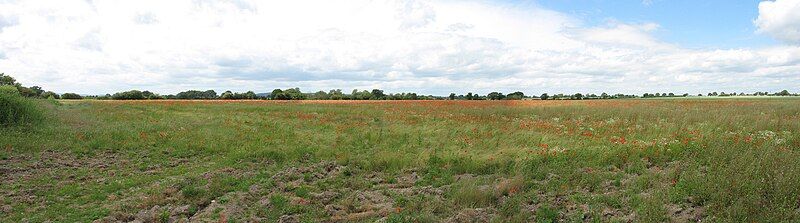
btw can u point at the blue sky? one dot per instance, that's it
(426, 46)
(694, 24)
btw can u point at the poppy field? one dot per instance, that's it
(638, 160)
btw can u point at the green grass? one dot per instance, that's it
(543, 161)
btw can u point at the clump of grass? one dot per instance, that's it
(472, 194)
(16, 110)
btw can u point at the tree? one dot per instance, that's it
(50, 94)
(604, 96)
(361, 95)
(452, 96)
(377, 94)
(71, 96)
(27, 92)
(496, 96)
(37, 91)
(227, 95)
(129, 95)
(294, 94)
(336, 94)
(149, 95)
(470, 96)
(320, 95)
(515, 96)
(544, 96)
(783, 93)
(578, 96)
(194, 94)
(7, 80)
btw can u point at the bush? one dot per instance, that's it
(8, 90)
(16, 110)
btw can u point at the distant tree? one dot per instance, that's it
(515, 96)
(544, 96)
(783, 93)
(452, 96)
(604, 96)
(37, 91)
(495, 96)
(7, 80)
(227, 95)
(320, 95)
(360, 95)
(377, 94)
(194, 94)
(26, 92)
(277, 94)
(578, 96)
(129, 95)
(336, 94)
(50, 94)
(469, 96)
(294, 94)
(71, 96)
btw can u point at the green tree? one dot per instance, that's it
(496, 96)
(37, 91)
(50, 94)
(515, 96)
(377, 94)
(71, 96)
(227, 95)
(7, 80)
(278, 94)
(544, 96)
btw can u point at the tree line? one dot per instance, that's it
(338, 94)
(34, 91)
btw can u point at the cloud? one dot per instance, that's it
(432, 47)
(780, 19)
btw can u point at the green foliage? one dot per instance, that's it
(16, 110)
(425, 161)
(71, 96)
(195, 95)
(495, 96)
(129, 95)
(288, 94)
(515, 96)
(50, 94)
(7, 80)
(8, 90)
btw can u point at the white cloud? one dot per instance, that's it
(427, 46)
(780, 19)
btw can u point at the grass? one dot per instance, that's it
(517, 161)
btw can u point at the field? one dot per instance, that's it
(716, 160)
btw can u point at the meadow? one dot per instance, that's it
(681, 160)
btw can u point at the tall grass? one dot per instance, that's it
(16, 110)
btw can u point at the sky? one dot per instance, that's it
(425, 46)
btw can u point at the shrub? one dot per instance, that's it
(16, 110)
(8, 90)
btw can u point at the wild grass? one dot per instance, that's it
(638, 160)
(16, 110)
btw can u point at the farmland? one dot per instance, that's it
(641, 160)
